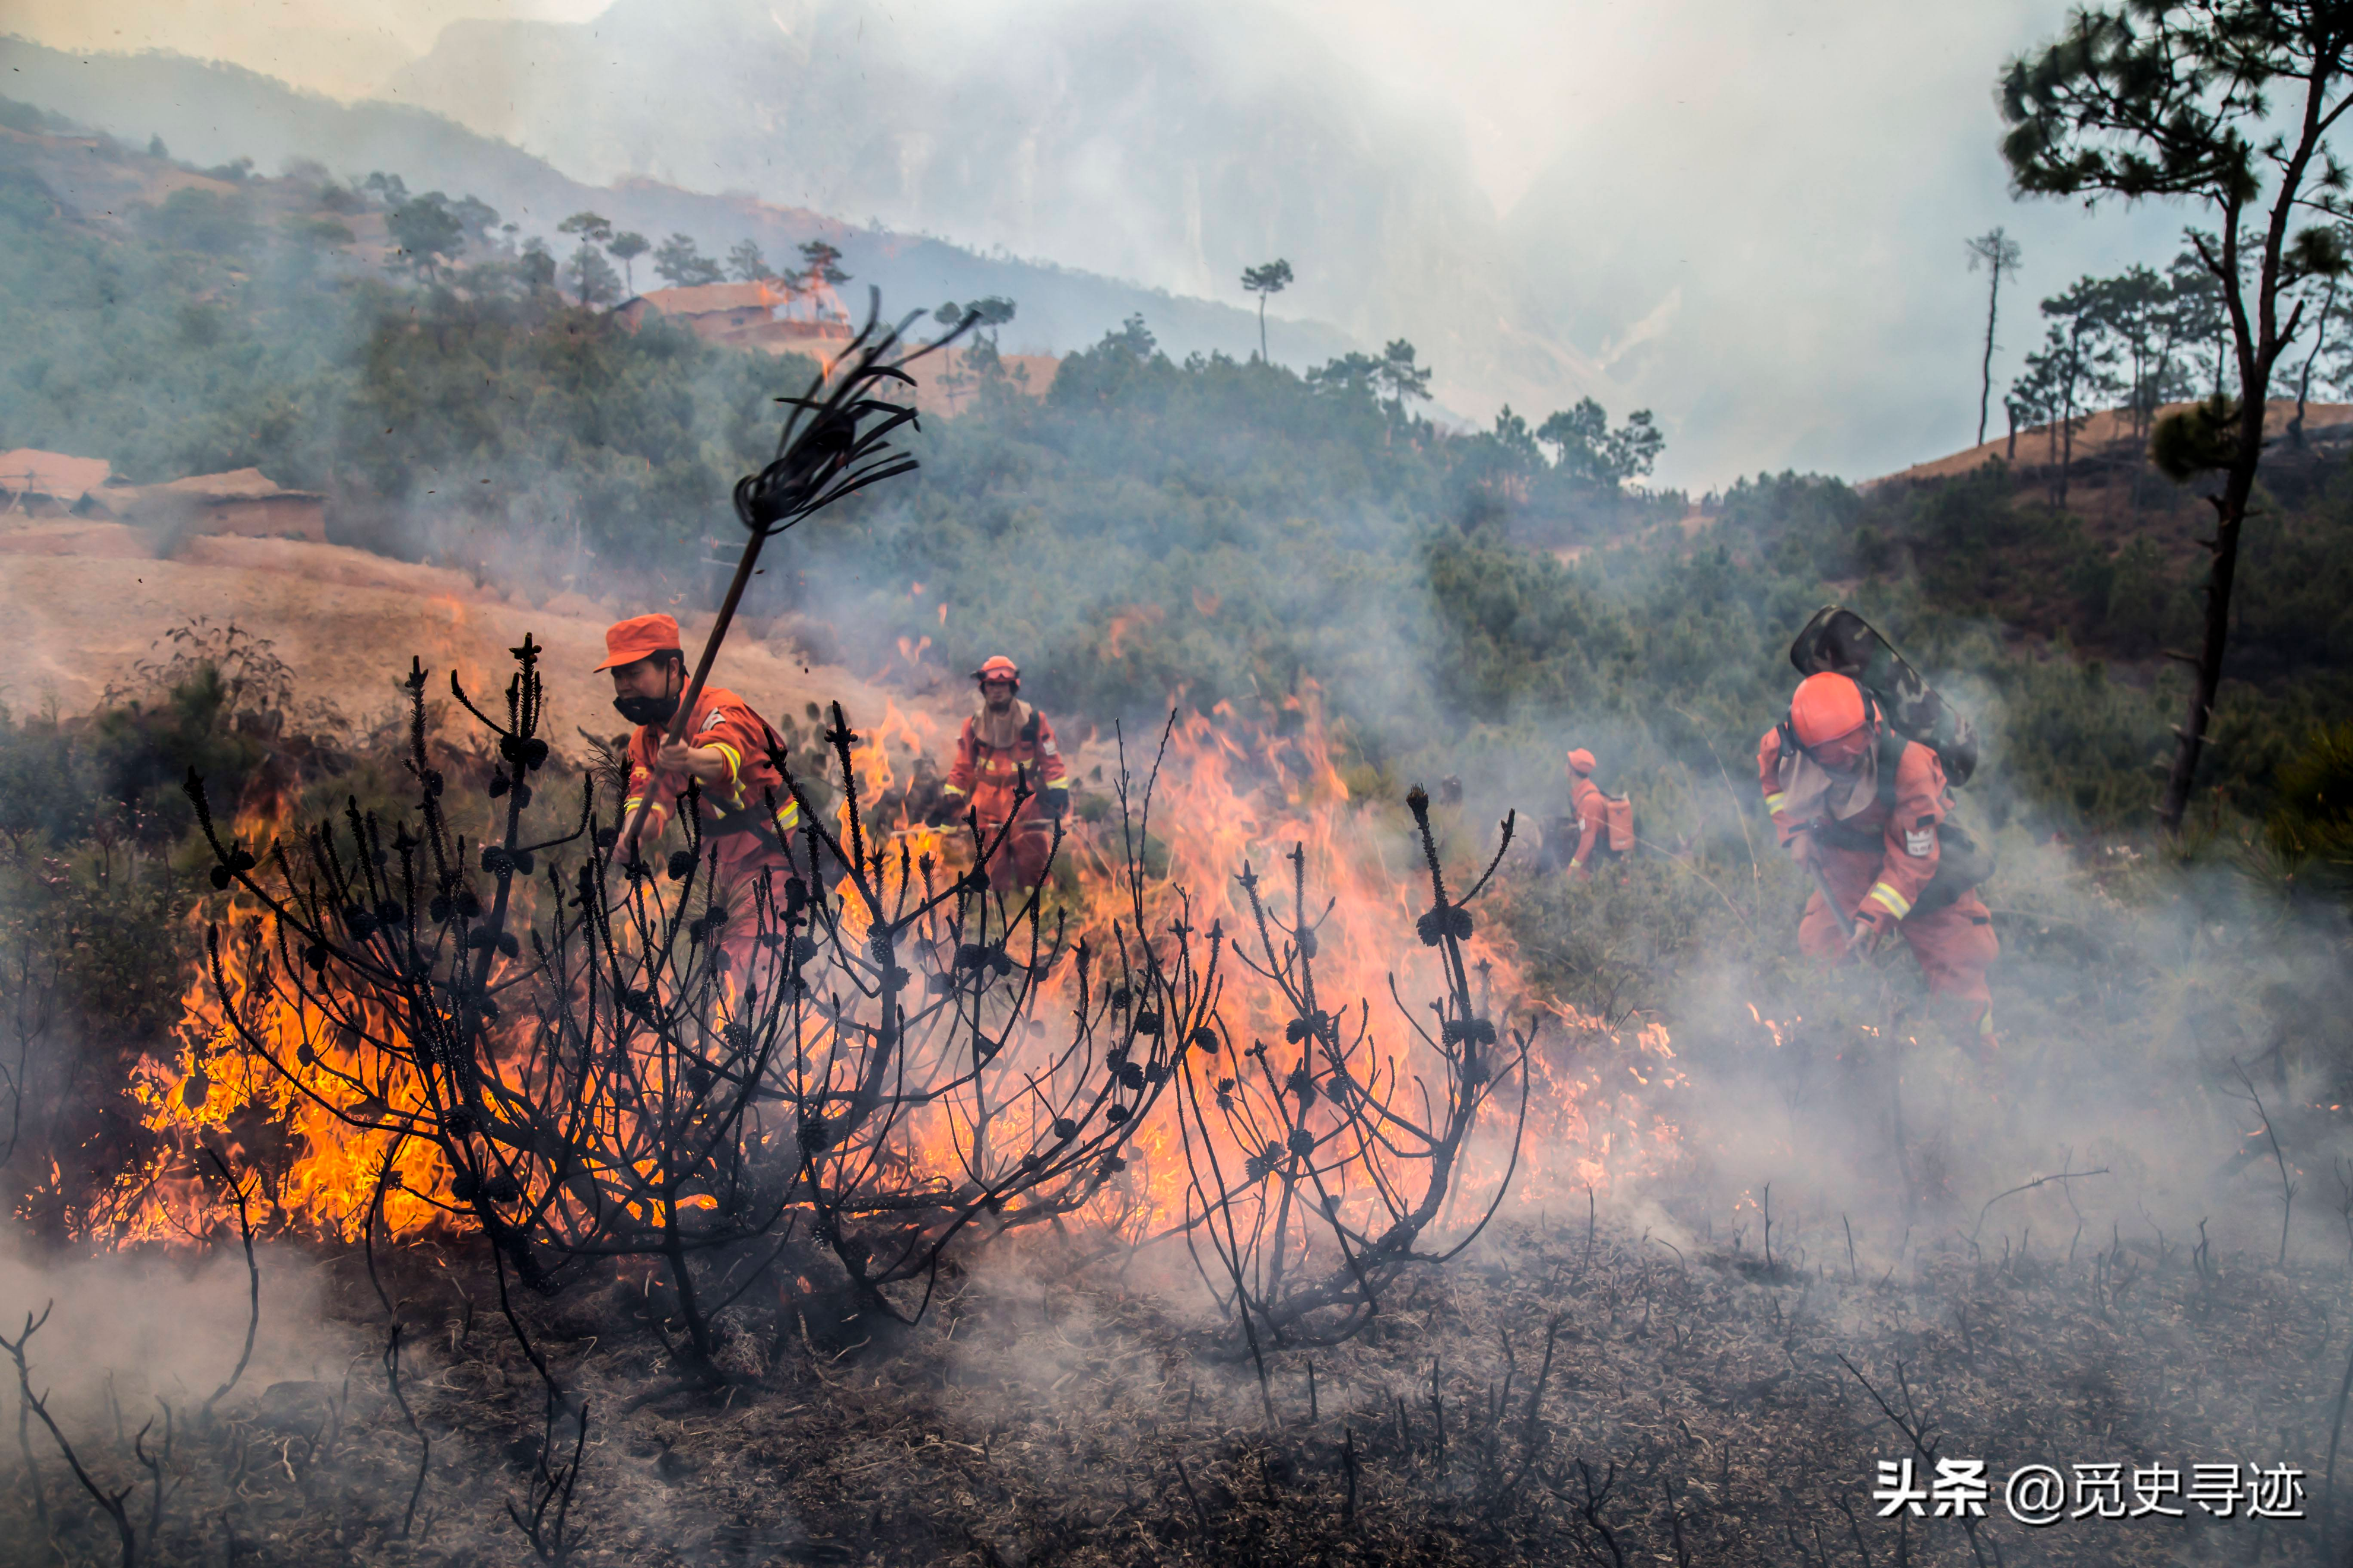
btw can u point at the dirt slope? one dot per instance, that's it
(2095, 432)
(85, 602)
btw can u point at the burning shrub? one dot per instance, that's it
(555, 1052)
(1341, 1173)
(524, 1036)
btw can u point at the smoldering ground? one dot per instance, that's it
(1563, 1394)
(1696, 1314)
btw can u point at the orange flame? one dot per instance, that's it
(1231, 793)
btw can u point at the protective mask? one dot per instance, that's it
(645, 710)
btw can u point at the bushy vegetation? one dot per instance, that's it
(447, 410)
(1225, 531)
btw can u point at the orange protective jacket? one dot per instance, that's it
(736, 813)
(985, 774)
(1895, 820)
(1592, 808)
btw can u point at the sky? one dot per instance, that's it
(1524, 76)
(1750, 216)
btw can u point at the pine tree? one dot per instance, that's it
(2229, 105)
(626, 248)
(747, 264)
(1998, 253)
(1271, 279)
(679, 263)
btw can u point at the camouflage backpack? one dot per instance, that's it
(1842, 643)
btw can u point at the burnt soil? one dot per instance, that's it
(1700, 1407)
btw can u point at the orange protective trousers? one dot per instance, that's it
(742, 957)
(1954, 944)
(1024, 853)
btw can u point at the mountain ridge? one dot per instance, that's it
(209, 113)
(1174, 146)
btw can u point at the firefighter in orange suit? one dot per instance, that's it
(1592, 809)
(724, 748)
(1861, 805)
(1005, 740)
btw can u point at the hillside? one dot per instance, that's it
(211, 115)
(2105, 489)
(1158, 529)
(1133, 139)
(92, 602)
(2103, 438)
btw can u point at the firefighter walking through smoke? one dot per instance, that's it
(1864, 810)
(1003, 742)
(725, 748)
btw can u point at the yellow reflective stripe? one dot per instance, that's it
(1773, 802)
(950, 789)
(634, 801)
(1985, 1020)
(735, 759)
(789, 815)
(1894, 903)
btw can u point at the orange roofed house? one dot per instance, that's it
(754, 315)
(748, 315)
(46, 485)
(50, 484)
(241, 502)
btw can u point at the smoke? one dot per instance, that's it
(126, 1334)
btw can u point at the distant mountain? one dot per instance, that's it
(1176, 144)
(211, 114)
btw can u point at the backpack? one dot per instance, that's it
(1621, 822)
(1841, 642)
(1616, 837)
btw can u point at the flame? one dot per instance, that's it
(312, 1111)
(1113, 649)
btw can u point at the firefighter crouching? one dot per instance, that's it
(1865, 808)
(1004, 740)
(724, 747)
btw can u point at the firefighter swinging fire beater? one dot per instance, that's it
(724, 748)
(1004, 740)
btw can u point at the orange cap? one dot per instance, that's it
(639, 636)
(1581, 760)
(1825, 708)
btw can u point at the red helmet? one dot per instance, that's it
(1581, 761)
(1827, 707)
(998, 668)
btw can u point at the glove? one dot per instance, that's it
(1868, 933)
(944, 811)
(1057, 802)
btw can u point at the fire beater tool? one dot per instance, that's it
(1830, 900)
(835, 442)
